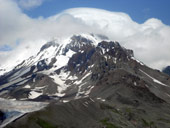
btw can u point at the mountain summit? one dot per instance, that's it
(88, 81)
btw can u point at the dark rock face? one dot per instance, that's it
(166, 70)
(2, 116)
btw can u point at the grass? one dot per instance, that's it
(128, 110)
(108, 107)
(107, 124)
(116, 111)
(164, 120)
(45, 124)
(105, 106)
(148, 124)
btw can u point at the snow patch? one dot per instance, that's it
(88, 91)
(34, 94)
(70, 53)
(78, 82)
(60, 94)
(89, 73)
(92, 100)
(92, 38)
(27, 86)
(39, 88)
(91, 66)
(57, 80)
(115, 60)
(85, 105)
(99, 98)
(61, 61)
(154, 80)
(65, 101)
(60, 80)
(83, 78)
(133, 58)
(167, 94)
(135, 83)
(73, 77)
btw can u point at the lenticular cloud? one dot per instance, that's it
(150, 40)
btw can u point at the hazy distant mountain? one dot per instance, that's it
(166, 70)
(89, 82)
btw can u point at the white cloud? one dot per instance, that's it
(31, 33)
(150, 40)
(28, 4)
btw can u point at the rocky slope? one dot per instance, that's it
(89, 81)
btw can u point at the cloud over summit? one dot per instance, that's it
(150, 40)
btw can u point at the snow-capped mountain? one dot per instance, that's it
(88, 70)
(52, 57)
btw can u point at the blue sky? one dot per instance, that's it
(139, 10)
